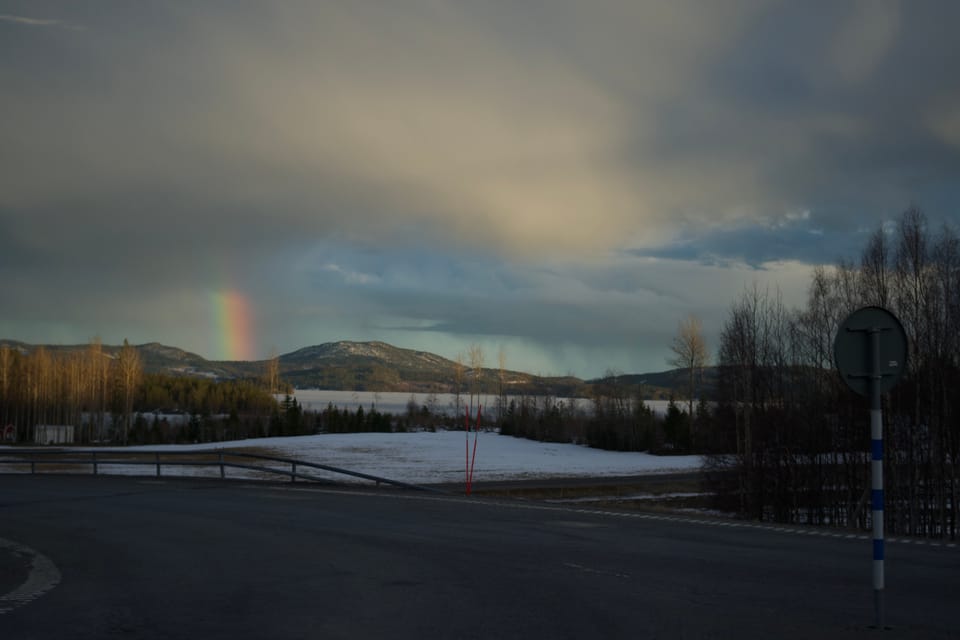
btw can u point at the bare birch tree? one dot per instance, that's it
(501, 380)
(875, 269)
(476, 359)
(690, 353)
(129, 372)
(458, 372)
(6, 371)
(272, 373)
(99, 366)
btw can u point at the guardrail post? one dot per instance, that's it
(144, 458)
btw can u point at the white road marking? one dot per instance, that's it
(43, 577)
(580, 567)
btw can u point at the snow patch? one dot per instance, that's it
(427, 458)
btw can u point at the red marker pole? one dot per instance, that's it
(466, 448)
(476, 434)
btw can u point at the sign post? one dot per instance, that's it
(870, 352)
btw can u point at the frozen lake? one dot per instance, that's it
(396, 403)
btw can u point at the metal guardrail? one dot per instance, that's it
(222, 458)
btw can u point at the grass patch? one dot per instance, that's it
(658, 493)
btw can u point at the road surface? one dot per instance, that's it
(113, 557)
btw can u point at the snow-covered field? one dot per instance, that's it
(423, 458)
(428, 458)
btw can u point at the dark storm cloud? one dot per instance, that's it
(842, 111)
(796, 239)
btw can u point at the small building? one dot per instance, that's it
(53, 434)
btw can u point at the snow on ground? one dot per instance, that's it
(637, 497)
(428, 458)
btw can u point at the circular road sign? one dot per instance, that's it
(853, 349)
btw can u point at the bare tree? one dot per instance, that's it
(501, 379)
(476, 359)
(458, 372)
(99, 365)
(129, 371)
(792, 422)
(946, 346)
(690, 353)
(911, 277)
(40, 367)
(6, 371)
(875, 269)
(272, 373)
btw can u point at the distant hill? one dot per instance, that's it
(369, 366)
(156, 358)
(662, 384)
(378, 366)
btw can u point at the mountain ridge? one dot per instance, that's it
(365, 366)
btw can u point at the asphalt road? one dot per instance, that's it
(141, 558)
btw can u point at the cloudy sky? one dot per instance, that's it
(567, 180)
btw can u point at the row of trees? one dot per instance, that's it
(79, 388)
(618, 419)
(792, 441)
(335, 420)
(108, 397)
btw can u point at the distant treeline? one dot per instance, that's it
(618, 420)
(109, 399)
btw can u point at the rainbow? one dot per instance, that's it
(233, 325)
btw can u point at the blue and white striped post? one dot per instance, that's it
(871, 367)
(876, 474)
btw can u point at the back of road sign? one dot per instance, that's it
(852, 349)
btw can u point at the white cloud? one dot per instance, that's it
(40, 22)
(349, 275)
